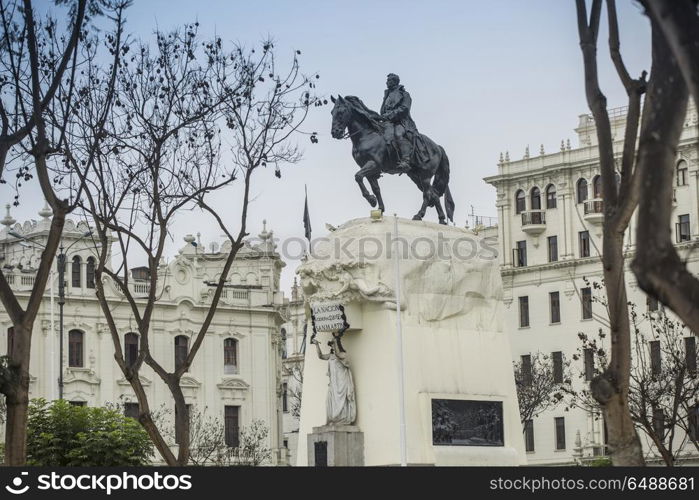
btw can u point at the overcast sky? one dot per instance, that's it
(485, 77)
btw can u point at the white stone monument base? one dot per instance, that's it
(344, 445)
(453, 348)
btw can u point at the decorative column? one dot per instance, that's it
(566, 206)
(503, 207)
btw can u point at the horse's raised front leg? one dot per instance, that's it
(374, 183)
(368, 170)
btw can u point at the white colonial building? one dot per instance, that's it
(237, 373)
(550, 212)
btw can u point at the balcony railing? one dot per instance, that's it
(27, 280)
(594, 210)
(533, 221)
(234, 294)
(595, 206)
(238, 294)
(533, 217)
(141, 288)
(20, 281)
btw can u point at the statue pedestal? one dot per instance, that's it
(459, 390)
(336, 446)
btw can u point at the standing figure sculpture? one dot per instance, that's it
(341, 406)
(390, 143)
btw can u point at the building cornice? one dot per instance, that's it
(507, 271)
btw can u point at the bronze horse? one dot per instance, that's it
(375, 157)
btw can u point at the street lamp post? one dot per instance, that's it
(61, 262)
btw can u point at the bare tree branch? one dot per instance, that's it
(176, 103)
(658, 267)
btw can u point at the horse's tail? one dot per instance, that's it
(449, 204)
(440, 185)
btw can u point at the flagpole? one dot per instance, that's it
(306, 217)
(399, 352)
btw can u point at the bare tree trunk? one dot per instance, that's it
(665, 453)
(17, 389)
(164, 182)
(17, 398)
(16, 424)
(151, 428)
(181, 421)
(611, 388)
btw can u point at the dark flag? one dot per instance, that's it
(306, 219)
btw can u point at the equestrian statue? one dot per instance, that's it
(389, 142)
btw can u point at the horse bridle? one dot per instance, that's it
(348, 135)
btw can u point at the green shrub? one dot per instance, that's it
(60, 434)
(600, 462)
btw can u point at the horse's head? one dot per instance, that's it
(341, 114)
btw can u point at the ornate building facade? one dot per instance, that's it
(550, 209)
(236, 375)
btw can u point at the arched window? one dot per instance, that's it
(230, 356)
(130, 348)
(181, 350)
(535, 199)
(597, 186)
(90, 272)
(75, 272)
(551, 196)
(581, 190)
(75, 348)
(682, 173)
(520, 202)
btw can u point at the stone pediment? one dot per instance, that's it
(187, 382)
(145, 382)
(85, 375)
(233, 384)
(76, 322)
